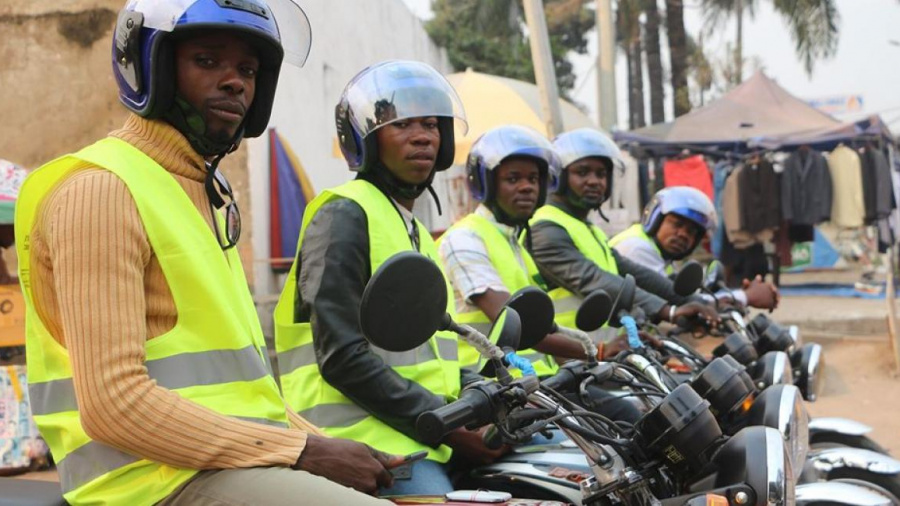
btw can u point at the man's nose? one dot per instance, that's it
(232, 81)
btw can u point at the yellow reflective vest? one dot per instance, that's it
(514, 278)
(226, 370)
(636, 231)
(591, 241)
(433, 365)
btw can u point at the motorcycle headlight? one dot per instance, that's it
(781, 407)
(679, 429)
(726, 385)
(755, 458)
(808, 363)
(773, 368)
(780, 482)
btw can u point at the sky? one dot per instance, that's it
(866, 62)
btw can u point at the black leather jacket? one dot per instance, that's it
(333, 271)
(562, 264)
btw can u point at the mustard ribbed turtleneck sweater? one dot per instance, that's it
(100, 289)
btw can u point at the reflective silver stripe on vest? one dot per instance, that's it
(178, 371)
(90, 462)
(265, 353)
(305, 355)
(57, 396)
(207, 368)
(334, 415)
(566, 304)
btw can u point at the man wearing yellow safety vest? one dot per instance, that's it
(395, 124)
(148, 373)
(574, 255)
(673, 225)
(509, 170)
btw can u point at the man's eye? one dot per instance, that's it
(249, 71)
(400, 124)
(205, 61)
(431, 125)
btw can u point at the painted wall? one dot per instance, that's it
(348, 35)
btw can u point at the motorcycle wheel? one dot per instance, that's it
(889, 485)
(826, 440)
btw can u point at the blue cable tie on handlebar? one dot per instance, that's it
(522, 364)
(631, 331)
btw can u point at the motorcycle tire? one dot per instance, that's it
(826, 440)
(887, 484)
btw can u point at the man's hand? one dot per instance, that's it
(470, 444)
(698, 310)
(620, 344)
(761, 294)
(347, 462)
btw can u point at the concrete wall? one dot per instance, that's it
(59, 93)
(348, 35)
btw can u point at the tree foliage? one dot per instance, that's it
(491, 36)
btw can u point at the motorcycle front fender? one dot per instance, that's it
(820, 463)
(839, 493)
(839, 425)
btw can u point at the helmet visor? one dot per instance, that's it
(293, 25)
(395, 90)
(692, 204)
(496, 145)
(584, 142)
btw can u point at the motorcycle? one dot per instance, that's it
(675, 454)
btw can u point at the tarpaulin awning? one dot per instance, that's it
(758, 113)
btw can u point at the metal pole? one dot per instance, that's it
(606, 66)
(544, 72)
(892, 311)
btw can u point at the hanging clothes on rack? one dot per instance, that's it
(690, 171)
(760, 196)
(848, 208)
(806, 188)
(721, 171)
(877, 184)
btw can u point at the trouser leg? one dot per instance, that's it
(268, 486)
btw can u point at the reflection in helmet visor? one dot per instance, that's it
(584, 142)
(395, 90)
(293, 25)
(690, 203)
(496, 145)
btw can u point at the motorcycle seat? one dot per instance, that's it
(30, 493)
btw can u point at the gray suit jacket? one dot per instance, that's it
(806, 189)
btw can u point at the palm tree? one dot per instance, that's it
(628, 28)
(654, 61)
(678, 56)
(813, 25)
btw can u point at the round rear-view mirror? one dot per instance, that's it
(624, 301)
(404, 303)
(689, 278)
(535, 310)
(593, 311)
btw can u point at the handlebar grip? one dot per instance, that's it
(562, 381)
(473, 407)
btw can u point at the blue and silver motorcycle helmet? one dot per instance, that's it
(392, 91)
(143, 51)
(503, 142)
(689, 203)
(584, 143)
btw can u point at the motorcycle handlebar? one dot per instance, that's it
(474, 407)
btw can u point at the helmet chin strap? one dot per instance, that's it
(188, 120)
(380, 176)
(580, 203)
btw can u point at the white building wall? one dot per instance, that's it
(348, 35)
